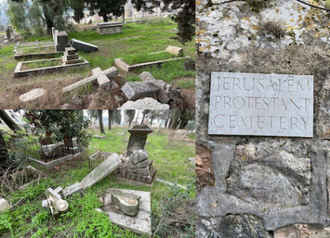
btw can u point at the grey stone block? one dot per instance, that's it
(136, 90)
(80, 45)
(103, 81)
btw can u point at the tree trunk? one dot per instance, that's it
(105, 18)
(175, 119)
(9, 121)
(49, 20)
(3, 152)
(124, 15)
(99, 113)
(109, 119)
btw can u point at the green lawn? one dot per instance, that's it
(169, 204)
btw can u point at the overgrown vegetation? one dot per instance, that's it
(143, 58)
(42, 64)
(172, 207)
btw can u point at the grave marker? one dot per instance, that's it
(261, 104)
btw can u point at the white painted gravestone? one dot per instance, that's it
(261, 104)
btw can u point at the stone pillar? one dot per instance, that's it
(138, 138)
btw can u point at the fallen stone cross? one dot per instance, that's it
(97, 72)
(137, 90)
(161, 94)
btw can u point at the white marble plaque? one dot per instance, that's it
(261, 104)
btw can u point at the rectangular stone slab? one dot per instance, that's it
(141, 223)
(100, 172)
(71, 189)
(136, 90)
(261, 104)
(80, 45)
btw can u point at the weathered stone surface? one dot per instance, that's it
(161, 94)
(141, 223)
(242, 225)
(204, 168)
(126, 203)
(100, 172)
(71, 189)
(105, 28)
(144, 104)
(51, 149)
(56, 204)
(138, 138)
(138, 160)
(4, 205)
(174, 50)
(302, 231)
(70, 51)
(261, 104)
(97, 70)
(137, 90)
(80, 45)
(32, 95)
(103, 81)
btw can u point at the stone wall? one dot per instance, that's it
(263, 186)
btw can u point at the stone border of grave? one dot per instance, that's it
(20, 73)
(129, 68)
(19, 54)
(53, 163)
(98, 155)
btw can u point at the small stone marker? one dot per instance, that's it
(174, 50)
(137, 90)
(100, 172)
(138, 138)
(32, 95)
(4, 205)
(261, 104)
(80, 45)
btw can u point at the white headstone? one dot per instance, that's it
(261, 104)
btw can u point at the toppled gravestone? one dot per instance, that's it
(138, 162)
(137, 90)
(81, 45)
(51, 150)
(110, 164)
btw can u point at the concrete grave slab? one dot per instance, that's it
(51, 164)
(106, 28)
(80, 45)
(141, 223)
(100, 172)
(32, 95)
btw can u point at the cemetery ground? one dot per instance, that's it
(134, 44)
(172, 208)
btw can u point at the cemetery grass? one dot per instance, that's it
(135, 39)
(172, 207)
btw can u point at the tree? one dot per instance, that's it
(60, 125)
(99, 115)
(130, 116)
(109, 119)
(180, 118)
(185, 16)
(105, 7)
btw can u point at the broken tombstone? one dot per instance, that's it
(141, 222)
(32, 94)
(127, 203)
(4, 205)
(144, 104)
(161, 94)
(137, 90)
(80, 45)
(138, 138)
(55, 202)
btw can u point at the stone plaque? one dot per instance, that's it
(261, 104)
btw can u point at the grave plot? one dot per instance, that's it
(70, 59)
(133, 62)
(36, 51)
